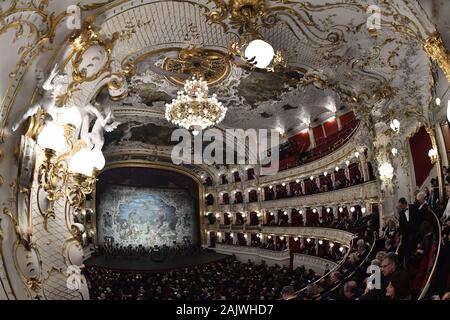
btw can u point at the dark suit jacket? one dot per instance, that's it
(409, 229)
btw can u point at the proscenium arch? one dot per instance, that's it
(160, 166)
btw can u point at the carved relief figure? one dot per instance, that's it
(51, 89)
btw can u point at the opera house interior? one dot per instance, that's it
(225, 150)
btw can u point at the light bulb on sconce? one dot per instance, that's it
(260, 53)
(448, 110)
(395, 125)
(433, 154)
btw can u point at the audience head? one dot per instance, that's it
(421, 196)
(402, 204)
(350, 290)
(335, 276)
(312, 291)
(376, 262)
(288, 292)
(399, 286)
(389, 264)
(380, 255)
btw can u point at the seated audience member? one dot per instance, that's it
(399, 287)
(350, 291)
(288, 293)
(312, 291)
(389, 265)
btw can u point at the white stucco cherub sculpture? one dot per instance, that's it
(52, 87)
(102, 124)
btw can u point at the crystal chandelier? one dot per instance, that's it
(193, 109)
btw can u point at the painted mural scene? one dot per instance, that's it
(232, 150)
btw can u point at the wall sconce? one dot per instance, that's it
(308, 240)
(363, 210)
(325, 174)
(297, 181)
(433, 154)
(352, 209)
(311, 178)
(386, 172)
(347, 163)
(68, 169)
(395, 125)
(295, 239)
(336, 169)
(328, 210)
(394, 151)
(320, 242)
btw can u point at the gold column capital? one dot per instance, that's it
(436, 50)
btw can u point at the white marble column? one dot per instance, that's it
(338, 121)
(302, 184)
(364, 166)
(312, 141)
(248, 239)
(288, 188)
(335, 211)
(289, 216)
(323, 130)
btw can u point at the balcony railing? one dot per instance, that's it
(262, 253)
(364, 191)
(319, 265)
(335, 235)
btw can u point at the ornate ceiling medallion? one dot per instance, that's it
(210, 65)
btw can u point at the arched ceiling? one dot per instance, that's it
(325, 40)
(333, 60)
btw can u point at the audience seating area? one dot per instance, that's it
(296, 155)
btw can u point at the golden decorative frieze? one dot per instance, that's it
(212, 66)
(437, 51)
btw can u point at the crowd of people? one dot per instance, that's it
(227, 279)
(155, 252)
(280, 191)
(404, 253)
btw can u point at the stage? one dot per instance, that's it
(146, 264)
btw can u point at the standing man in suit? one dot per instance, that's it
(409, 225)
